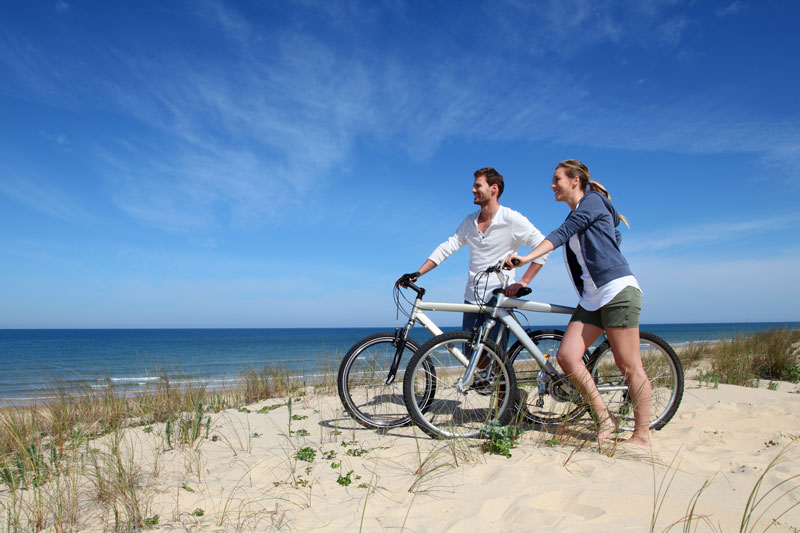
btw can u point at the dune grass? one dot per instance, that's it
(78, 434)
(768, 355)
(48, 451)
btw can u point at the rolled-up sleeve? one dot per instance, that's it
(529, 235)
(451, 245)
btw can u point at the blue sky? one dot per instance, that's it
(278, 164)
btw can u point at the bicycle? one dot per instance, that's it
(367, 380)
(466, 400)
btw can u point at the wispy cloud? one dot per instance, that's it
(280, 109)
(43, 196)
(731, 9)
(707, 233)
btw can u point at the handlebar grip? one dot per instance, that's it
(515, 262)
(524, 291)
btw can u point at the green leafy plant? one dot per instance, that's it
(345, 480)
(267, 408)
(499, 439)
(305, 454)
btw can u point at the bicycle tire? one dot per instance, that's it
(663, 369)
(453, 413)
(543, 401)
(361, 382)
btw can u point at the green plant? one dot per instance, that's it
(267, 408)
(198, 512)
(772, 385)
(356, 452)
(305, 454)
(151, 521)
(302, 433)
(168, 433)
(345, 480)
(499, 439)
(187, 488)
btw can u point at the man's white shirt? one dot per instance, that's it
(507, 231)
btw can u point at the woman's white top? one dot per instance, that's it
(594, 297)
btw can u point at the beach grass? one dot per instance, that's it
(745, 361)
(82, 448)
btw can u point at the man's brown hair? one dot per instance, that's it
(493, 177)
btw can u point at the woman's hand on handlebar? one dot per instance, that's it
(513, 261)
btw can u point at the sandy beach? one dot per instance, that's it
(265, 468)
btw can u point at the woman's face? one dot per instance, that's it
(564, 186)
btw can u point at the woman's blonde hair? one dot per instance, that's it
(577, 169)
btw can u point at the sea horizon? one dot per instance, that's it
(36, 359)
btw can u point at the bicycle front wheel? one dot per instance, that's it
(454, 412)
(663, 369)
(362, 382)
(542, 399)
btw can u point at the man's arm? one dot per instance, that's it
(533, 269)
(444, 250)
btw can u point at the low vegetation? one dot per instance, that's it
(746, 361)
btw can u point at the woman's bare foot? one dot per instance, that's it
(606, 432)
(638, 440)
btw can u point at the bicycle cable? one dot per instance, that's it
(398, 296)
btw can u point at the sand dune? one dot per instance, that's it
(249, 474)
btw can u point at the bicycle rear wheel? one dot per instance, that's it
(361, 382)
(663, 369)
(543, 400)
(452, 412)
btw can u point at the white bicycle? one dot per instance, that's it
(457, 382)
(370, 378)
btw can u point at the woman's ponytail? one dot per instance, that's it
(596, 186)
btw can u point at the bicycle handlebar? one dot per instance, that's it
(406, 281)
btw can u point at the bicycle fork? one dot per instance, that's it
(465, 382)
(399, 342)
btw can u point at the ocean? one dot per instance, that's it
(35, 360)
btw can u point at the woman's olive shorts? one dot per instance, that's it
(621, 312)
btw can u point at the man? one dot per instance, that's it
(491, 234)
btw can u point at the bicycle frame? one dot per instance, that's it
(500, 310)
(417, 315)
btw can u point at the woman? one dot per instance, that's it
(610, 297)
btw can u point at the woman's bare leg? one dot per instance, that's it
(576, 341)
(625, 344)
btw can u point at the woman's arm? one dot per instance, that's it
(544, 247)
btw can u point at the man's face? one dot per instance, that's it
(482, 191)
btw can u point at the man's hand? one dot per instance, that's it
(514, 288)
(405, 279)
